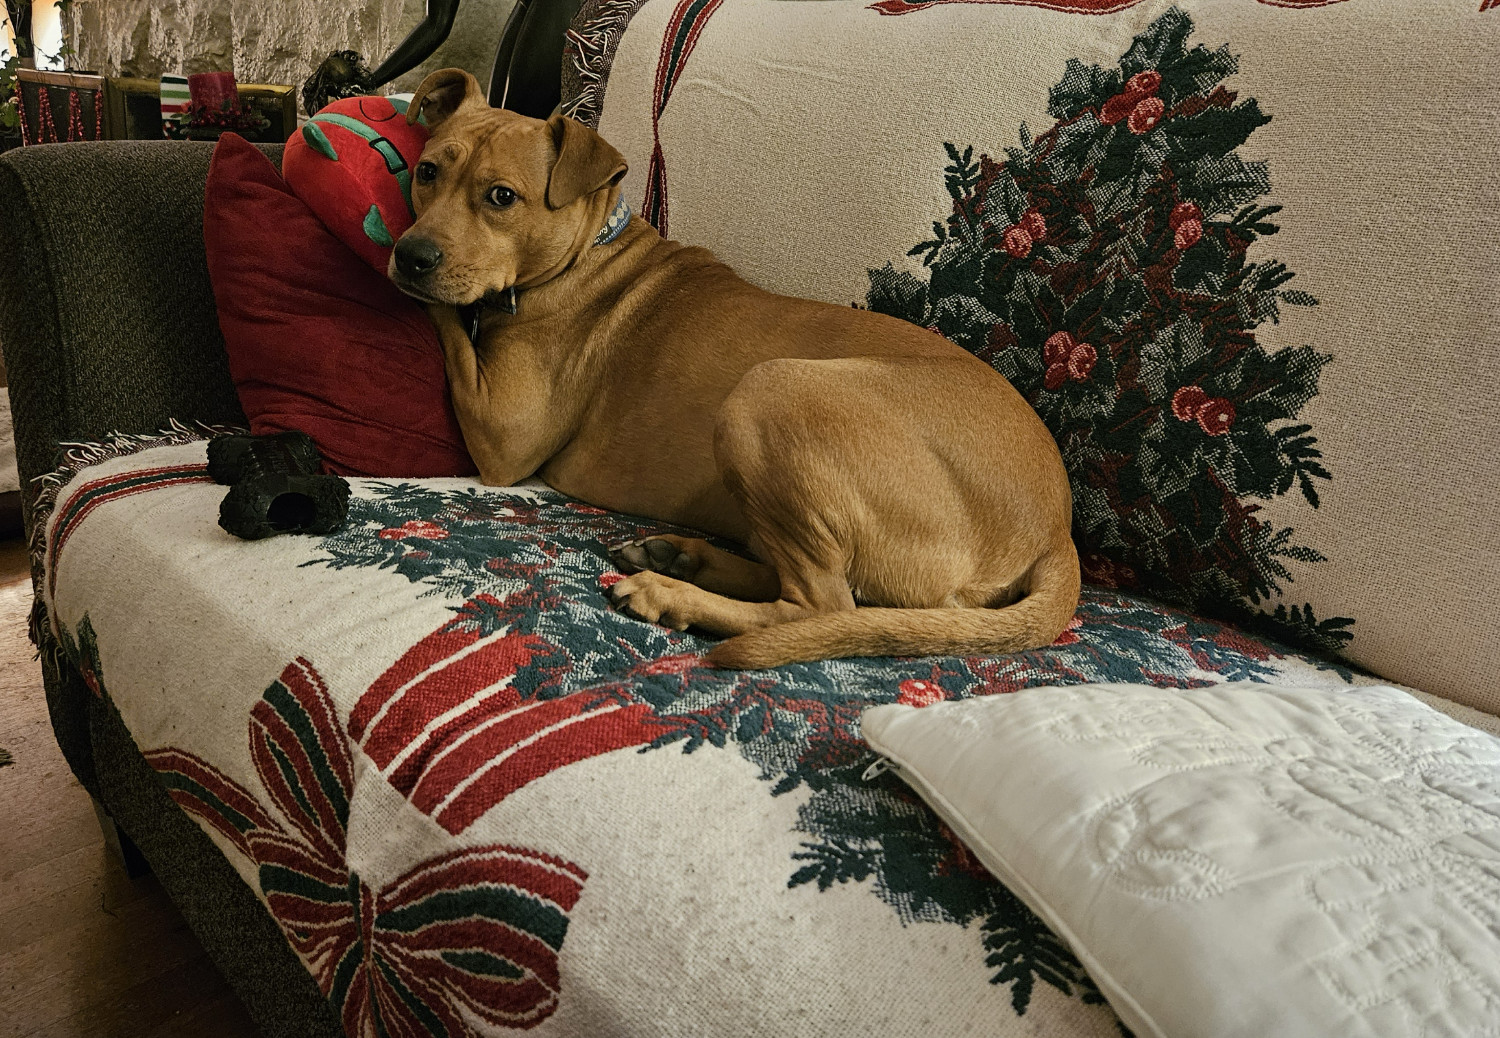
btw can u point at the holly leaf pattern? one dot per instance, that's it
(1103, 268)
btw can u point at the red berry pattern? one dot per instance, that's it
(1118, 108)
(1214, 414)
(1186, 401)
(1017, 241)
(916, 692)
(1081, 361)
(1066, 358)
(1187, 234)
(1145, 116)
(1183, 212)
(1057, 347)
(1139, 89)
(419, 528)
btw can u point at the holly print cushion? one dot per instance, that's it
(1239, 860)
(1238, 254)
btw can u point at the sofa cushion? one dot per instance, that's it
(1238, 255)
(438, 698)
(1297, 861)
(317, 339)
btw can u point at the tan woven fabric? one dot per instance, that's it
(805, 144)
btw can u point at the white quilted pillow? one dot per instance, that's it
(1241, 860)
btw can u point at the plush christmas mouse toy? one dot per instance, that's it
(351, 163)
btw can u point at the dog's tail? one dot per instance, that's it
(1034, 621)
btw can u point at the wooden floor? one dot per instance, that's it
(84, 951)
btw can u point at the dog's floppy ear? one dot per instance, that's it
(585, 162)
(443, 93)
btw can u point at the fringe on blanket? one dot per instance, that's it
(588, 53)
(73, 458)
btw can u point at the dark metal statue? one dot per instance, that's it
(344, 74)
(427, 37)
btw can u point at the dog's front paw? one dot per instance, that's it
(654, 598)
(655, 555)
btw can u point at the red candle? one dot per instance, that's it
(216, 91)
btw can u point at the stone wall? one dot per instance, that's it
(268, 41)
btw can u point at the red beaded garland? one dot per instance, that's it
(75, 115)
(21, 110)
(46, 129)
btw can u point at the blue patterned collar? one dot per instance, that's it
(619, 219)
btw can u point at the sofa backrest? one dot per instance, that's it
(1239, 254)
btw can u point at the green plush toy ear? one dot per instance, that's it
(318, 141)
(376, 230)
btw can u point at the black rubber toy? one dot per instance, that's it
(274, 486)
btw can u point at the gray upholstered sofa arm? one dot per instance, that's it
(108, 322)
(106, 313)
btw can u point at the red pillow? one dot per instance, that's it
(318, 340)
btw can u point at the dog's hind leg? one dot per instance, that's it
(696, 561)
(658, 598)
(805, 575)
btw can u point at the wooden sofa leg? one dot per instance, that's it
(121, 846)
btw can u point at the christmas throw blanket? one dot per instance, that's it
(477, 799)
(1238, 254)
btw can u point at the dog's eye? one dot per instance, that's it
(500, 197)
(426, 172)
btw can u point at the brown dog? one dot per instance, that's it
(865, 460)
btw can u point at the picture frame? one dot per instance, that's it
(132, 109)
(278, 103)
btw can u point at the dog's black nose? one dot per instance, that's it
(417, 257)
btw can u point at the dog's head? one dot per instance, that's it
(500, 199)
